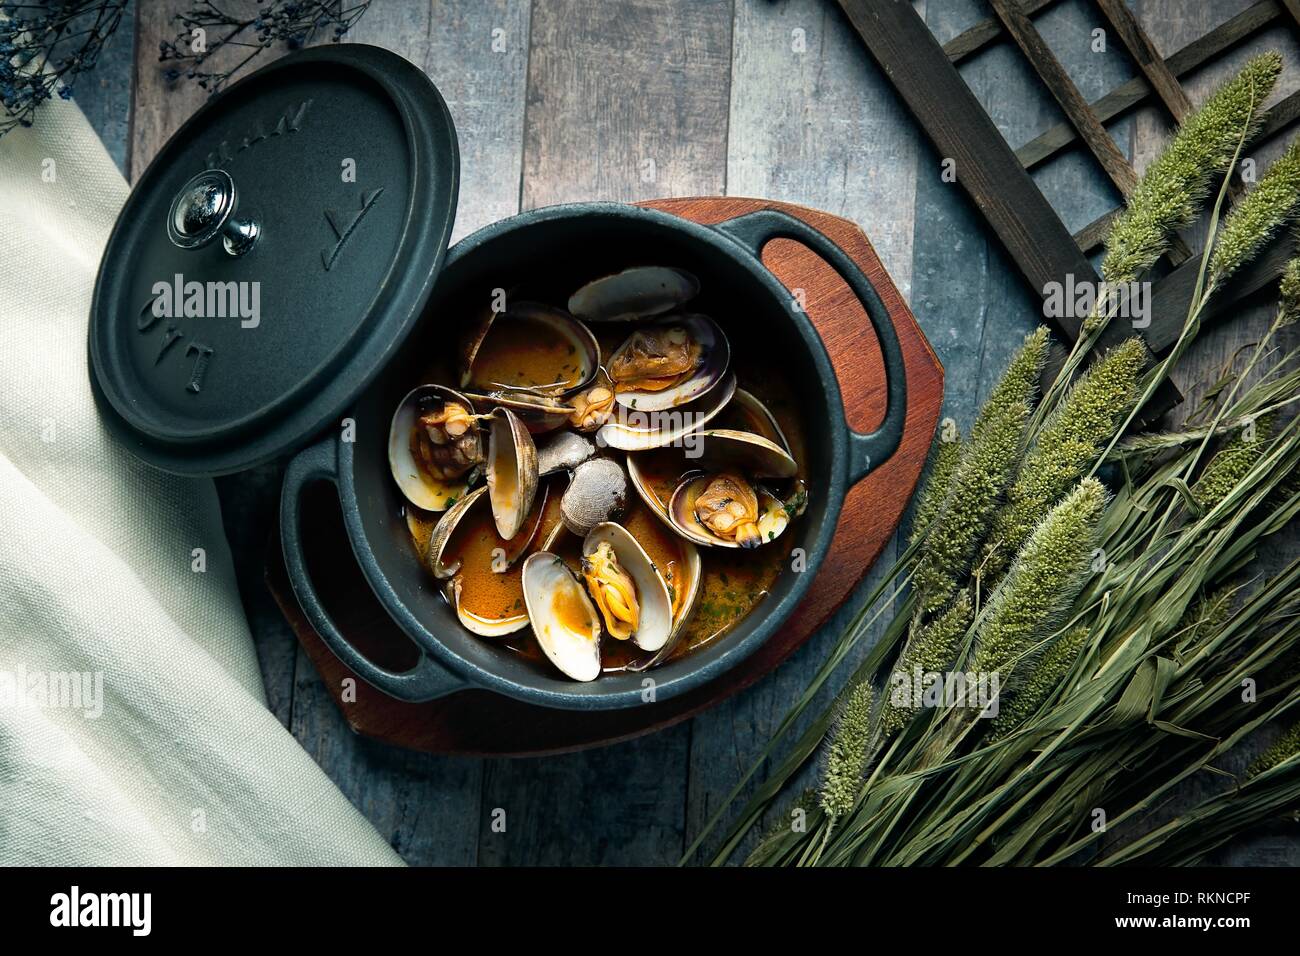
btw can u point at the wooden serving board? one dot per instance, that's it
(476, 722)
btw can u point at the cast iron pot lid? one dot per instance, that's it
(272, 258)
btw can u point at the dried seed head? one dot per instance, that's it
(944, 458)
(977, 487)
(1255, 220)
(846, 757)
(1205, 617)
(1167, 196)
(1045, 676)
(1287, 746)
(1289, 289)
(1019, 383)
(1231, 464)
(932, 648)
(1045, 577)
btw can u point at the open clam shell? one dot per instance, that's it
(714, 360)
(597, 492)
(634, 294)
(746, 413)
(480, 624)
(640, 430)
(511, 472)
(418, 486)
(443, 560)
(654, 604)
(752, 454)
(539, 413)
(529, 347)
(772, 516)
(565, 622)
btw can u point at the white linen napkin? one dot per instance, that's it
(167, 755)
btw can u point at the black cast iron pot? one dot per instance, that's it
(579, 241)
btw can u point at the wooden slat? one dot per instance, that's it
(1292, 8)
(973, 39)
(649, 121)
(1066, 94)
(1147, 57)
(1128, 95)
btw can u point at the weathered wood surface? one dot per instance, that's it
(825, 130)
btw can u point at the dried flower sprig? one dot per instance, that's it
(207, 29)
(1258, 216)
(931, 648)
(1046, 576)
(44, 47)
(1167, 196)
(846, 758)
(945, 456)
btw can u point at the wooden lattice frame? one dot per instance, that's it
(997, 177)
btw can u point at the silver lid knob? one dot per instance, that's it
(203, 210)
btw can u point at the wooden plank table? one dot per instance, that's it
(557, 100)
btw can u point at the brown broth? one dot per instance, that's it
(484, 592)
(522, 352)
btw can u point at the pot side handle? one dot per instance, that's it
(754, 231)
(428, 680)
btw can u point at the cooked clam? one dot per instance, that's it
(563, 451)
(628, 589)
(434, 446)
(539, 413)
(529, 347)
(565, 622)
(511, 472)
(594, 405)
(484, 585)
(747, 414)
(669, 363)
(492, 624)
(723, 509)
(634, 294)
(750, 453)
(470, 522)
(640, 430)
(597, 492)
